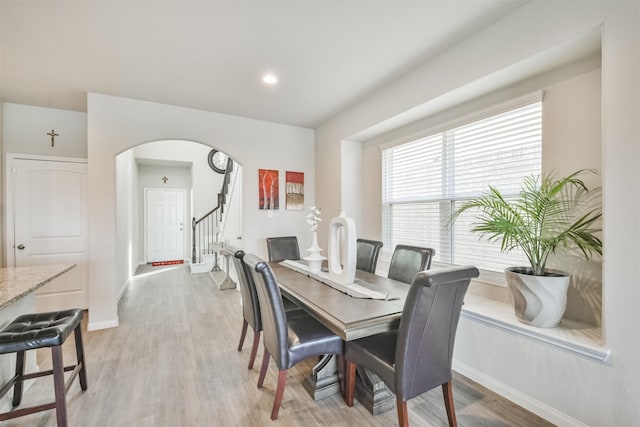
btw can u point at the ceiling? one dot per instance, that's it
(211, 55)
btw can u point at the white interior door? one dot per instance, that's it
(164, 224)
(49, 216)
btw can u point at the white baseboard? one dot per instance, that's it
(539, 408)
(95, 326)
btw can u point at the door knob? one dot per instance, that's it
(21, 246)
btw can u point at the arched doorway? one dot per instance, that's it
(171, 165)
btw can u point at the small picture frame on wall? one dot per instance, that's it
(268, 189)
(294, 191)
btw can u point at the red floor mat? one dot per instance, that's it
(157, 263)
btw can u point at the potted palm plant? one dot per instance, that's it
(548, 214)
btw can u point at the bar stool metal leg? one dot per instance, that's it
(17, 387)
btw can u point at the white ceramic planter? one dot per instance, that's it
(538, 300)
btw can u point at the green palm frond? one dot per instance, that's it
(547, 214)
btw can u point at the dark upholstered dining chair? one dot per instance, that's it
(407, 261)
(250, 304)
(367, 254)
(281, 248)
(416, 357)
(288, 340)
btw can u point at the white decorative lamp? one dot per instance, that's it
(342, 250)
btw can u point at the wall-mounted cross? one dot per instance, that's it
(165, 179)
(52, 134)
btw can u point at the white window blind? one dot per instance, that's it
(425, 180)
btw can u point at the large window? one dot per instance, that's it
(425, 180)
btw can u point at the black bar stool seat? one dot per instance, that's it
(38, 330)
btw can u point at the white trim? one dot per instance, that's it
(571, 336)
(539, 408)
(9, 255)
(46, 158)
(487, 112)
(106, 324)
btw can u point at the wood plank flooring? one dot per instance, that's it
(173, 362)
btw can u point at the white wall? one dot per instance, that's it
(232, 233)
(572, 140)
(3, 262)
(26, 127)
(350, 171)
(118, 124)
(563, 387)
(126, 210)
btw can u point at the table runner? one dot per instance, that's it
(355, 290)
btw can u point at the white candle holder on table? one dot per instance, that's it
(314, 259)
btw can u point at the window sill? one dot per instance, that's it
(579, 338)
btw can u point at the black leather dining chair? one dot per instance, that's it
(250, 305)
(287, 340)
(367, 254)
(407, 261)
(281, 248)
(416, 357)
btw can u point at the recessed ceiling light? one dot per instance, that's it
(270, 79)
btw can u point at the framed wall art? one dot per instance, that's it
(268, 191)
(295, 191)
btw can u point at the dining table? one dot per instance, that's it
(371, 305)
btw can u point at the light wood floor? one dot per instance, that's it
(173, 362)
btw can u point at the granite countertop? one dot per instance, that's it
(17, 282)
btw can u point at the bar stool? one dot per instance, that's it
(33, 331)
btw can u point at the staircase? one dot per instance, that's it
(207, 231)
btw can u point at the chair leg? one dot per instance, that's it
(282, 381)
(263, 370)
(447, 391)
(254, 348)
(17, 387)
(80, 357)
(58, 385)
(243, 334)
(403, 415)
(351, 383)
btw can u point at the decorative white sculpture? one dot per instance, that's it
(342, 250)
(314, 259)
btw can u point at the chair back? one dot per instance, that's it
(281, 248)
(274, 319)
(367, 254)
(250, 303)
(424, 347)
(407, 261)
